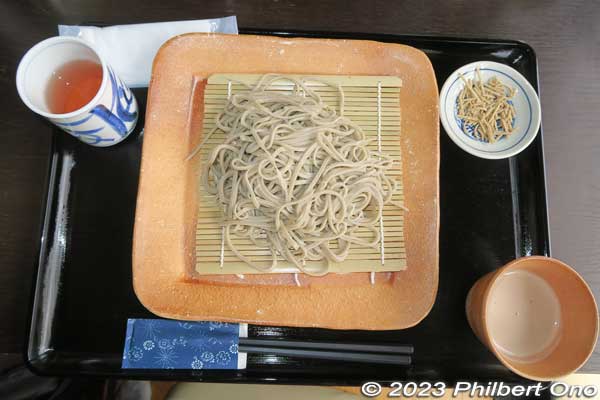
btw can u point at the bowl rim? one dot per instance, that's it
(527, 136)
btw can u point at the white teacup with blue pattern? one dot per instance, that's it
(106, 120)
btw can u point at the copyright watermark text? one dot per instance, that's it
(473, 389)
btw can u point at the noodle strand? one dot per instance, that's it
(296, 177)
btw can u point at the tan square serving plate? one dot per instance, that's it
(164, 275)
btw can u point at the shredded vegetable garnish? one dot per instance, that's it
(486, 109)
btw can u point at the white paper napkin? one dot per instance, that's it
(130, 49)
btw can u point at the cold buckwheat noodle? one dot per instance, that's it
(296, 177)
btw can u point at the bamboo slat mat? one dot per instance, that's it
(372, 102)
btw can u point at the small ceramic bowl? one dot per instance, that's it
(525, 101)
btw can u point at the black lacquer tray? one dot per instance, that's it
(491, 212)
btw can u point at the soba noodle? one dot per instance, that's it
(296, 177)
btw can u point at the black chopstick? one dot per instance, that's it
(355, 352)
(364, 357)
(336, 346)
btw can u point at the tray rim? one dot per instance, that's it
(44, 363)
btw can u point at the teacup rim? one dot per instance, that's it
(36, 49)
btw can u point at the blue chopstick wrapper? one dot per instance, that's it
(170, 344)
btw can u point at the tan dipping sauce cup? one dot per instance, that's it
(537, 315)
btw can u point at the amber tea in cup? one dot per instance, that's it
(65, 80)
(73, 85)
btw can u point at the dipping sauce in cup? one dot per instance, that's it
(537, 315)
(68, 82)
(524, 316)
